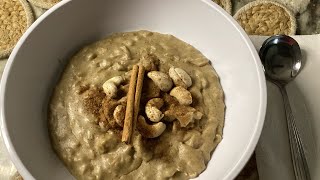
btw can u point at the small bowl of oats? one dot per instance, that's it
(133, 90)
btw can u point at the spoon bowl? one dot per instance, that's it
(281, 57)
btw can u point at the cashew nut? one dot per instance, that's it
(119, 114)
(183, 96)
(110, 86)
(117, 80)
(152, 109)
(110, 89)
(148, 130)
(180, 77)
(162, 80)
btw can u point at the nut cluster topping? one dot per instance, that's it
(164, 99)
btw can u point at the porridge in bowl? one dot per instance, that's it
(137, 105)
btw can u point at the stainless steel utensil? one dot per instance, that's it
(281, 57)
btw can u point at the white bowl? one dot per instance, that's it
(34, 65)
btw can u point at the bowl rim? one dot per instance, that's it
(263, 93)
(261, 79)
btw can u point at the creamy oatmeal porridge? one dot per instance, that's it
(137, 105)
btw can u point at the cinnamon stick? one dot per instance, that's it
(128, 121)
(138, 94)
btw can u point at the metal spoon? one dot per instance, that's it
(281, 57)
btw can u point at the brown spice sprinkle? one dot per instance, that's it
(103, 107)
(106, 112)
(93, 100)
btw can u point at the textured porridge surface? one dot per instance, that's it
(91, 152)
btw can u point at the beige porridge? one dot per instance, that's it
(172, 134)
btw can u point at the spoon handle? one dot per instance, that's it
(298, 157)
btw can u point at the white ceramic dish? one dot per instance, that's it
(33, 67)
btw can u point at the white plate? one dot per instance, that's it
(34, 64)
